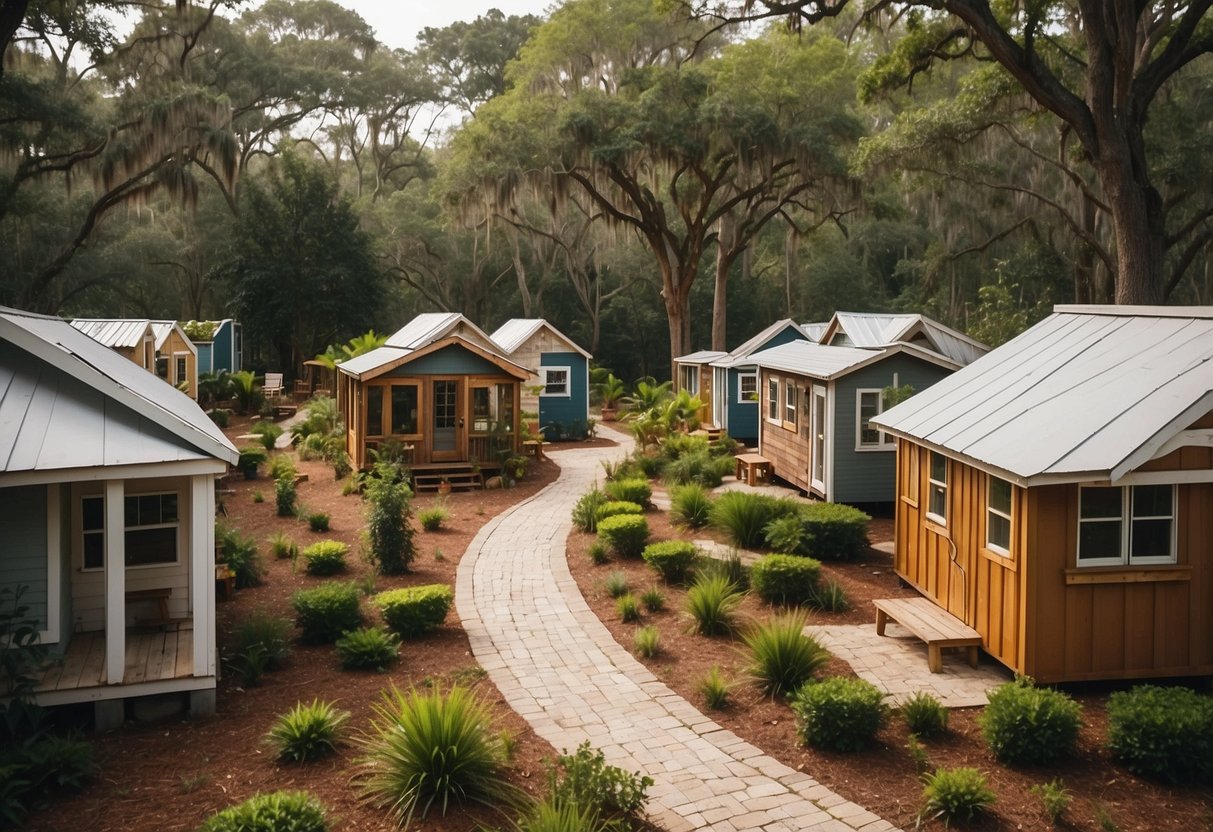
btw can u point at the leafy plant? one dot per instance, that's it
(433, 518)
(782, 656)
(283, 547)
(624, 534)
(318, 521)
(830, 597)
(415, 610)
(585, 512)
(584, 779)
(258, 497)
(241, 556)
(839, 714)
(712, 603)
(597, 553)
(248, 462)
(326, 557)
(925, 715)
(260, 642)
(671, 559)
(1028, 725)
(690, 506)
(728, 566)
(391, 535)
(281, 466)
(631, 490)
(785, 579)
(368, 648)
(652, 599)
(701, 467)
(614, 508)
(743, 516)
(325, 612)
(628, 608)
(1164, 733)
(1055, 798)
(647, 641)
(307, 731)
(428, 749)
(610, 391)
(922, 763)
(956, 795)
(272, 812)
(285, 495)
(269, 433)
(714, 688)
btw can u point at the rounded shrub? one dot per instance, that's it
(1028, 725)
(415, 610)
(250, 459)
(368, 648)
(785, 579)
(271, 812)
(956, 795)
(327, 557)
(925, 715)
(690, 506)
(307, 731)
(625, 534)
(631, 490)
(839, 714)
(834, 531)
(671, 559)
(711, 605)
(1164, 733)
(614, 508)
(324, 612)
(782, 656)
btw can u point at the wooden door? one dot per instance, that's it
(447, 428)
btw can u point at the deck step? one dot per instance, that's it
(460, 477)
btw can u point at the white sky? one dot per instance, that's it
(398, 23)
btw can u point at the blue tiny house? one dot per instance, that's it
(225, 350)
(559, 387)
(735, 380)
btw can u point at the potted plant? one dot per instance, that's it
(444, 487)
(610, 390)
(250, 458)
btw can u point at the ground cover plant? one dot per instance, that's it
(307, 731)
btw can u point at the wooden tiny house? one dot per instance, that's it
(695, 376)
(1057, 495)
(160, 347)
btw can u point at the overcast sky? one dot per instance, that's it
(397, 23)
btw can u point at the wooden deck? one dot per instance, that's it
(151, 656)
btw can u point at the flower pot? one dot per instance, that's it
(444, 488)
(609, 413)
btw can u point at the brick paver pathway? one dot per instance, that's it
(558, 666)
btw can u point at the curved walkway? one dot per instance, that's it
(559, 667)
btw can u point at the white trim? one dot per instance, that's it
(1149, 448)
(741, 399)
(1185, 439)
(816, 420)
(832, 415)
(791, 403)
(568, 382)
(1163, 477)
(115, 582)
(932, 482)
(767, 400)
(101, 693)
(54, 561)
(990, 509)
(884, 441)
(1125, 520)
(185, 468)
(202, 572)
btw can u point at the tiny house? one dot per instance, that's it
(1056, 495)
(176, 357)
(160, 347)
(223, 351)
(694, 375)
(559, 388)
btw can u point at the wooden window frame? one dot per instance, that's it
(942, 485)
(385, 412)
(1126, 520)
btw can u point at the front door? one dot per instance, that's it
(446, 430)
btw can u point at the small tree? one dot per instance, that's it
(391, 533)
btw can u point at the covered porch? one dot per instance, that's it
(160, 661)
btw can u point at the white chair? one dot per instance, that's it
(272, 388)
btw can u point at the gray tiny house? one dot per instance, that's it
(559, 387)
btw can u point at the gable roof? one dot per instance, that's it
(826, 363)
(880, 329)
(428, 327)
(1089, 393)
(517, 331)
(701, 357)
(68, 401)
(162, 329)
(741, 354)
(815, 330)
(385, 359)
(116, 333)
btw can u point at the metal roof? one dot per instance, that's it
(67, 401)
(826, 363)
(700, 357)
(879, 329)
(1090, 392)
(741, 354)
(162, 329)
(815, 330)
(121, 333)
(428, 327)
(378, 359)
(372, 360)
(517, 331)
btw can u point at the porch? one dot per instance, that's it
(154, 658)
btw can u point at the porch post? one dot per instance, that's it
(115, 582)
(202, 571)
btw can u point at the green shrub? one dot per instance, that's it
(583, 779)
(326, 557)
(925, 715)
(835, 532)
(258, 497)
(671, 559)
(690, 506)
(269, 433)
(782, 656)
(614, 508)
(282, 466)
(260, 643)
(1165, 733)
(391, 535)
(956, 795)
(830, 597)
(652, 599)
(585, 512)
(241, 556)
(743, 516)
(433, 518)
(785, 579)
(714, 688)
(647, 642)
(552, 815)
(272, 812)
(598, 553)
(307, 732)
(1054, 797)
(283, 547)
(631, 490)
(285, 495)
(617, 584)
(839, 714)
(786, 534)
(36, 767)
(415, 610)
(680, 445)
(368, 648)
(628, 608)
(250, 460)
(624, 534)
(318, 521)
(648, 465)
(711, 604)
(428, 749)
(1027, 725)
(324, 612)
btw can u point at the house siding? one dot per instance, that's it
(448, 361)
(225, 354)
(206, 356)
(742, 416)
(24, 558)
(571, 408)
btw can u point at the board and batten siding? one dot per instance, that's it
(23, 557)
(563, 409)
(787, 446)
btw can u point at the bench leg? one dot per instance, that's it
(934, 658)
(972, 651)
(882, 618)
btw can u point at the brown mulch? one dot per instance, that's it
(884, 778)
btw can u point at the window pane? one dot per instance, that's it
(939, 501)
(505, 408)
(130, 511)
(1151, 539)
(94, 550)
(404, 408)
(999, 531)
(168, 508)
(749, 387)
(374, 411)
(149, 510)
(1100, 502)
(772, 399)
(147, 546)
(939, 467)
(1099, 539)
(556, 382)
(93, 511)
(1000, 495)
(869, 407)
(1152, 500)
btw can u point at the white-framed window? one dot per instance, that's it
(555, 381)
(151, 524)
(869, 403)
(688, 378)
(747, 387)
(790, 402)
(773, 400)
(819, 437)
(181, 373)
(937, 477)
(1130, 525)
(998, 515)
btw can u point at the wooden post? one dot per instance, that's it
(115, 582)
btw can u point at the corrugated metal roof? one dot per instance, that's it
(879, 329)
(162, 329)
(517, 331)
(816, 360)
(700, 357)
(428, 327)
(67, 401)
(741, 355)
(815, 330)
(1076, 397)
(114, 332)
(372, 360)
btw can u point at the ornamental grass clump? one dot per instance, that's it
(283, 547)
(839, 714)
(307, 731)
(782, 656)
(956, 795)
(585, 512)
(631, 490)
(690, 506)
(673, 560)
(1164, 733)
(711, 605)
(368, 648)
(624, 534)
(285, 495)
(1029, 725)
(430, 750)
(628, 608)
(925, 715)
(647, 641)
(271, 812)
(714, 688)
(743, 516)
(416, 610)
(785, 579)
(325, 612)
(260, 643)
(326, 557)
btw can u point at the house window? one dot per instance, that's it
(913, 473)
(493, 408)
(937, 509)
(92, 512)
(555, 381)
(181, 372)
(868, 405)
(162, 367)
(819, 436)
(688, 378)
(789, 402)
(374, 410)
(773, 399)
(1133, 525)
(150, 530)
(747, 387)
(998, 515)
(404, 409)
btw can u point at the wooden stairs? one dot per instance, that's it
(461, 476)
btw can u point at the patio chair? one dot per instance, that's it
(272, 388)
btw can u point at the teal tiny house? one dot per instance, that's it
(559, 389)
(224, 350)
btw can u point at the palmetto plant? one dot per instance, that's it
(647, 394)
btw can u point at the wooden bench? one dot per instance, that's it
(534, 447)
(160, 596)
(753, 468)
(931, 623)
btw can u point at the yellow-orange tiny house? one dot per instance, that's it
(1057, 495)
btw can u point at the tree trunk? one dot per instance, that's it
(520, 273)
(1137, 219)
(726, 236)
